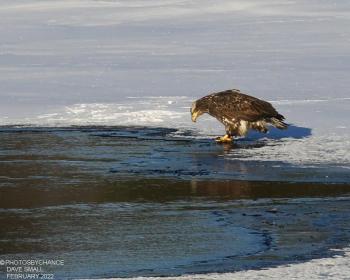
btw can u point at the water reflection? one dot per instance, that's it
(61, 166)
(33, 193)
(113, 205)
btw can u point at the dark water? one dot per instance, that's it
(135, 201)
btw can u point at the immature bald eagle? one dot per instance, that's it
(238, 112)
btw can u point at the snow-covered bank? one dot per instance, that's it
(336, 268)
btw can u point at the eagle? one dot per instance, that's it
(238, 112)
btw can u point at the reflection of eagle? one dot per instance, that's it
(238, 112)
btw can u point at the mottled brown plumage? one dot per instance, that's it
(238, 112)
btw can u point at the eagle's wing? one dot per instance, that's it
(238, 106)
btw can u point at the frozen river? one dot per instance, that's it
(143, 62)
(99, 159)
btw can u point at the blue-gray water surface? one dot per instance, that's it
(118, 201)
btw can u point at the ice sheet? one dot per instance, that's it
(144, 62)
(326, 268)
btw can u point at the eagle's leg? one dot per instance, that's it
(227, 138)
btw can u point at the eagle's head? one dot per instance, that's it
(198, 108)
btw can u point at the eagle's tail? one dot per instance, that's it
(277, 121)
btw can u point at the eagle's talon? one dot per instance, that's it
(224, 139)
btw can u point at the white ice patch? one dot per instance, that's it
(323, 149)
(336, 268)
(148, 111)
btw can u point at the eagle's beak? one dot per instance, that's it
(194, 116)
